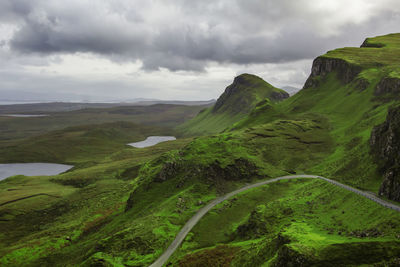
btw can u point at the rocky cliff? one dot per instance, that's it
(324, 65)
(385, 145)
(387, 85)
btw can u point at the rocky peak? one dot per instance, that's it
(246, 79)
(242, 94)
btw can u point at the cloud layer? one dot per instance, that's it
(186, 35)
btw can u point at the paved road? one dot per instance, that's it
(193, 221)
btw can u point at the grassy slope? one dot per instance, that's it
(248, 90)
(95, 197)
(351, 113)
(207, 123)
(313, 223)
(314, 220)
(65, 212)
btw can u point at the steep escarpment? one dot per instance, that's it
(322, 66)
(385, 144)
(388, 85)
(237, 101)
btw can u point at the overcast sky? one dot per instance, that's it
(172, 49)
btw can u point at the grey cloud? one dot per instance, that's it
(13, 10)
(241, 32)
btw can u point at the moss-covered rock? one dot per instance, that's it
(385, 145)
(322, 66)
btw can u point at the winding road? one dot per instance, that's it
(193, 221)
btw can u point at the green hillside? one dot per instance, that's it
(126, 209)
(240, 98)
(352, 88)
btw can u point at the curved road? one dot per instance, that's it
(193, 221)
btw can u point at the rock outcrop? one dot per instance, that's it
(324, 65)
(242, 94)
(385, 145)
(367, 43)
(213, 173)
(387, 85)
(239, 169)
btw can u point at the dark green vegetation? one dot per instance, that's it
(79, 144)
(239, 99)
(92, 133)
(385, 144)
(155, 115)
(125, 208)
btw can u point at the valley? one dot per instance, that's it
(214, 189)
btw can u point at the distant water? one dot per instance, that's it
(24, 115)
(152, 140)
(31, 169)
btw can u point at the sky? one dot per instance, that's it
(119, 50)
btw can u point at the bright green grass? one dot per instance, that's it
(368, 57)
(314, 217)
(92, 214)
(239, 99)
(73, 206)
(351, 114)
(208, 123)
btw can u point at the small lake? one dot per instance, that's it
(23, 115)
(31, 169)
(151, 141)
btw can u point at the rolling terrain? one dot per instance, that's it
(161, 115)
(126, 208)
(78, 145)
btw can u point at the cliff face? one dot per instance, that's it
(324, 65)
(385, 145)
(387, 85)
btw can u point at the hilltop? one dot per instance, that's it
(239, 99)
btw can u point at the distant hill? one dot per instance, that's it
(291, 90)
(78, 144)
(162, 115)
(239, 99)
(71, 106)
